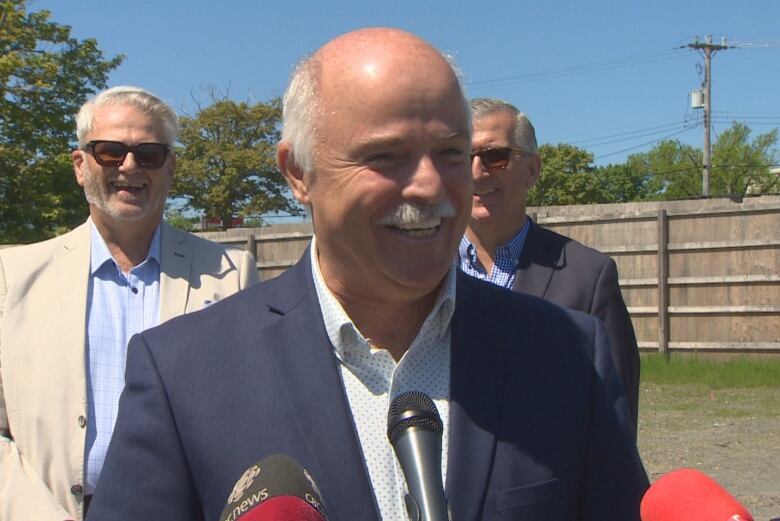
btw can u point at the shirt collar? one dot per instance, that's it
(511, 250)
(514, 247)
(99, 253)
(343, 333)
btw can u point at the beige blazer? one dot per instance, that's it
(43, 393)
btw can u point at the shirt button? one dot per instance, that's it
(135, 290)
(82, 421)
(76, 490)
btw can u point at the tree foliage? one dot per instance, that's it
(620, 184)
(670, 170)
(567, 177)
(226, 164)
(739, 166)
(673, 170)
(45, 76)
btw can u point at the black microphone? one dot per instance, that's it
(414, 428)
(276, 488)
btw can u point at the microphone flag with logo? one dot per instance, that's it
(276, 488)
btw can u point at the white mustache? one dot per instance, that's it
(411, 215)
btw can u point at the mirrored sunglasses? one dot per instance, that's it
(495, 158)
(113, 153)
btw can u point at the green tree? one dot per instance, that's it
(567, 177)
(672, 170)
(45, 76)
(620, 184)
(226, 164)
(177, 219)
(741, 166)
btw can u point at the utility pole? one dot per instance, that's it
(707, 49)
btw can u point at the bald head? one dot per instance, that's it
(376, 144)
(366, 62)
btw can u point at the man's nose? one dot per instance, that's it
(425, 183)
(129, 164)
(478, 168)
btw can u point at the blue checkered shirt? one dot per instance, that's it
(118, 306)
(504, 264)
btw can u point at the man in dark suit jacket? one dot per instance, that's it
(376, 143)
(504, 246)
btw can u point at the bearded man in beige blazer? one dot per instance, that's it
(68, 305)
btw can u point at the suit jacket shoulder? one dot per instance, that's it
(22, 261)
(564, 271)
(195, 272)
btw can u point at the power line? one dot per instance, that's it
(738, 45)
(763, 114)
(643, 144)
(628, 136)
(627, 128)
(605, 65)
(774, 122)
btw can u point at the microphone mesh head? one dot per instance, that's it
(412, 409)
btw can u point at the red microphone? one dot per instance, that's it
(690, 495)
(283, 508)
(276, 488)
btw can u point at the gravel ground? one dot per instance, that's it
(732, 435)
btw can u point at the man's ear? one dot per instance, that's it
(78, 165)
(293, 174)
(535, 164)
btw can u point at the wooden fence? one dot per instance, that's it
(701, 275)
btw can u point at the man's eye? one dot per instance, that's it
(454, 154)
(380, 157)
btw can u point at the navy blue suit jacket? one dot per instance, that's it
(539, 425)
(561, 270)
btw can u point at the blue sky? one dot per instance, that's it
(603, 75)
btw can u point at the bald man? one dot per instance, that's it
(376, 142)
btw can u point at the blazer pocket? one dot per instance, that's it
(535, 494)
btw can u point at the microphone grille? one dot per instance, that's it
(412, 409)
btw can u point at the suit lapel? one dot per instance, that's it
(303, 357)
(540, 258)
(475, 396)
(175, 268)
(71, 263)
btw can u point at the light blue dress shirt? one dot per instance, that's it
(119, 305)
(504, 265)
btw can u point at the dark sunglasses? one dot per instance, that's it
(495, 158)
(113, 153)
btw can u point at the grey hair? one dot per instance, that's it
(523, 135)
(301, 109)
(136, 97)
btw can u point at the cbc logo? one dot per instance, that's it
(244, 482)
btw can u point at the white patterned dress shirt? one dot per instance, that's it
(372, 379)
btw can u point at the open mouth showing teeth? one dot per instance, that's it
(418, 229)
(128, 187)
(480, 193)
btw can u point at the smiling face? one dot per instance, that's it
(391, 186)
(125, 193)
(500, 195)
